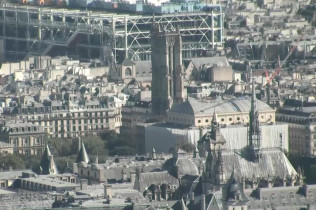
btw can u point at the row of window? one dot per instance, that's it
(79, 114)
(24, 129)
(79, 122)
(26, 141)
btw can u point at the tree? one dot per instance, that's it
(186, 146)
(61, 163)
(63, 147)
(123, 150)
(94, 145)
(97, 91)
(32, 162)
(83, 90)
(8, 161)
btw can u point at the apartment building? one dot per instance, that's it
(67, 120)
(302, 129)
(25, 138)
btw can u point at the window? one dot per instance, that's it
(199, 121)
(282, 196)
(206, 120)
(128, 72)
(273, 196)
(291, 195)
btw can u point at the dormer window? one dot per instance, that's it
(128, 72)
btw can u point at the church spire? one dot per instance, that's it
(254, 138)
(82, 154)
(47, 165)
(214, 126)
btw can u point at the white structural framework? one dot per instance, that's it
(46, 31)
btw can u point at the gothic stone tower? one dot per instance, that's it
(167, 70)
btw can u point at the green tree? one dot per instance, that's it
(97, 91)
(62, 162)
(186, 146)
(94, 145)
(123, 150)
(63, 147)
(32, 162)
(8, 161)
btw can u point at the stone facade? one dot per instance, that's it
(167, 70)
(62, 121)
(302, 129)
(25, 138)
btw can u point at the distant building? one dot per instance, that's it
(6, 148)
(302, 129)
(208, 69)
(68, 119)
(25, 138)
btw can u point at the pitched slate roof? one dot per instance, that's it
(184, 166)
(147, 179)
(272, 163)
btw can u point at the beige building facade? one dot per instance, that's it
(302, 129)
(25, 138)
(62, 121)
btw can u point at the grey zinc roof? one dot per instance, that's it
(13, 174)
(272, 163)
(199, 107)
(209, 61)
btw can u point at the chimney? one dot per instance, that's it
(124, 175)
(107, 191)
(133, 177)
(83, 184)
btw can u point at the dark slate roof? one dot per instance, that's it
(190, 182)
(114, 173)
(147, 179)
(289, 197)
(208, 61)
(127, 62)
(185, 166)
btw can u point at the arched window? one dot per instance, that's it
(128, 72)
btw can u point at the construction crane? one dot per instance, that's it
(280, 65)
(279, 68)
